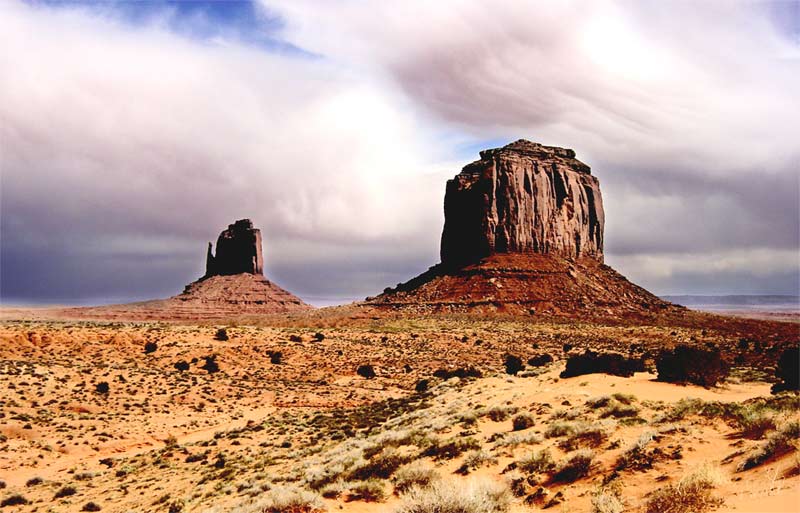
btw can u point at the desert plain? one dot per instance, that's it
(358, 409)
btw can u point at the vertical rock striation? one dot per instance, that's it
(238, 251)
(522, 198)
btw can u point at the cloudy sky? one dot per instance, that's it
(131, 133)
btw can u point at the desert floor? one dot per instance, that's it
(154, 416)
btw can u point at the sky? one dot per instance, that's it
(132, 133)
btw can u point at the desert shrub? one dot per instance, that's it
(460, 372)
(540, 360)
(91, 506)
(500, 413)
(754, 423)
(211, 366)
(561, 428)
(221, 334)
(175, 506)
(591, 362)
(637, 456)
(457, 497)
(579, 434)
(150, 347)
(516, 438)
(607, 502)
(181, 365)
(788, 370)
(540, 462)
(319, 337)
(779, 443)
(452, 448)
(687, 364)
(102, 387)
(618, 410)
(513, 364)
(366, 371)
(34, 481)
(333, 490)
(371, 490)
(624, 398)
(286, 499)
(275, 357)
(418, 473)
(522, 421)
(14, 500)
(517, 483)
(422, 386)
(586, 435)
(575, 467)
(475, 459)
(381, 465)
(65, 491)
(692, 494)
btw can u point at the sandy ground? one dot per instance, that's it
(155, 439)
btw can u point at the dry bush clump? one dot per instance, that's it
(575, 467)
(779, 443)
(540, 360)
(381, 465)
(14, 500)
(285, 499)
(577, 433)
(370, 490)
(607, 502)
(474, 460)
(522, 421)
(638, 456)
(513, 364)
(788, 370)
(447, 450)
(591, 362)
(689, 364)
(457, 497)
(501, 413)
(540, 462)
(419, 473)
(692, 494)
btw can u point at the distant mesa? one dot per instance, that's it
(232, 286)
(234, 282)
(523, 232)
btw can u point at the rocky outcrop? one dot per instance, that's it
(238, 251)
(522, 198)
(523, 234)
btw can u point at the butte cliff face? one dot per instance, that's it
(523, 233)
(238, 251)
(522, 198)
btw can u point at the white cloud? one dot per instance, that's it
(112, 134)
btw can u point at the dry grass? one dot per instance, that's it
(692, 494)
(457, 497)
(285, 499)
(418, 473)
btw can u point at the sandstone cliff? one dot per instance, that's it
(238, 251)
(523, 233)
(522, 198)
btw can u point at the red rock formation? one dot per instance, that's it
(522, 198)
(523, 233)
(238, 251)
